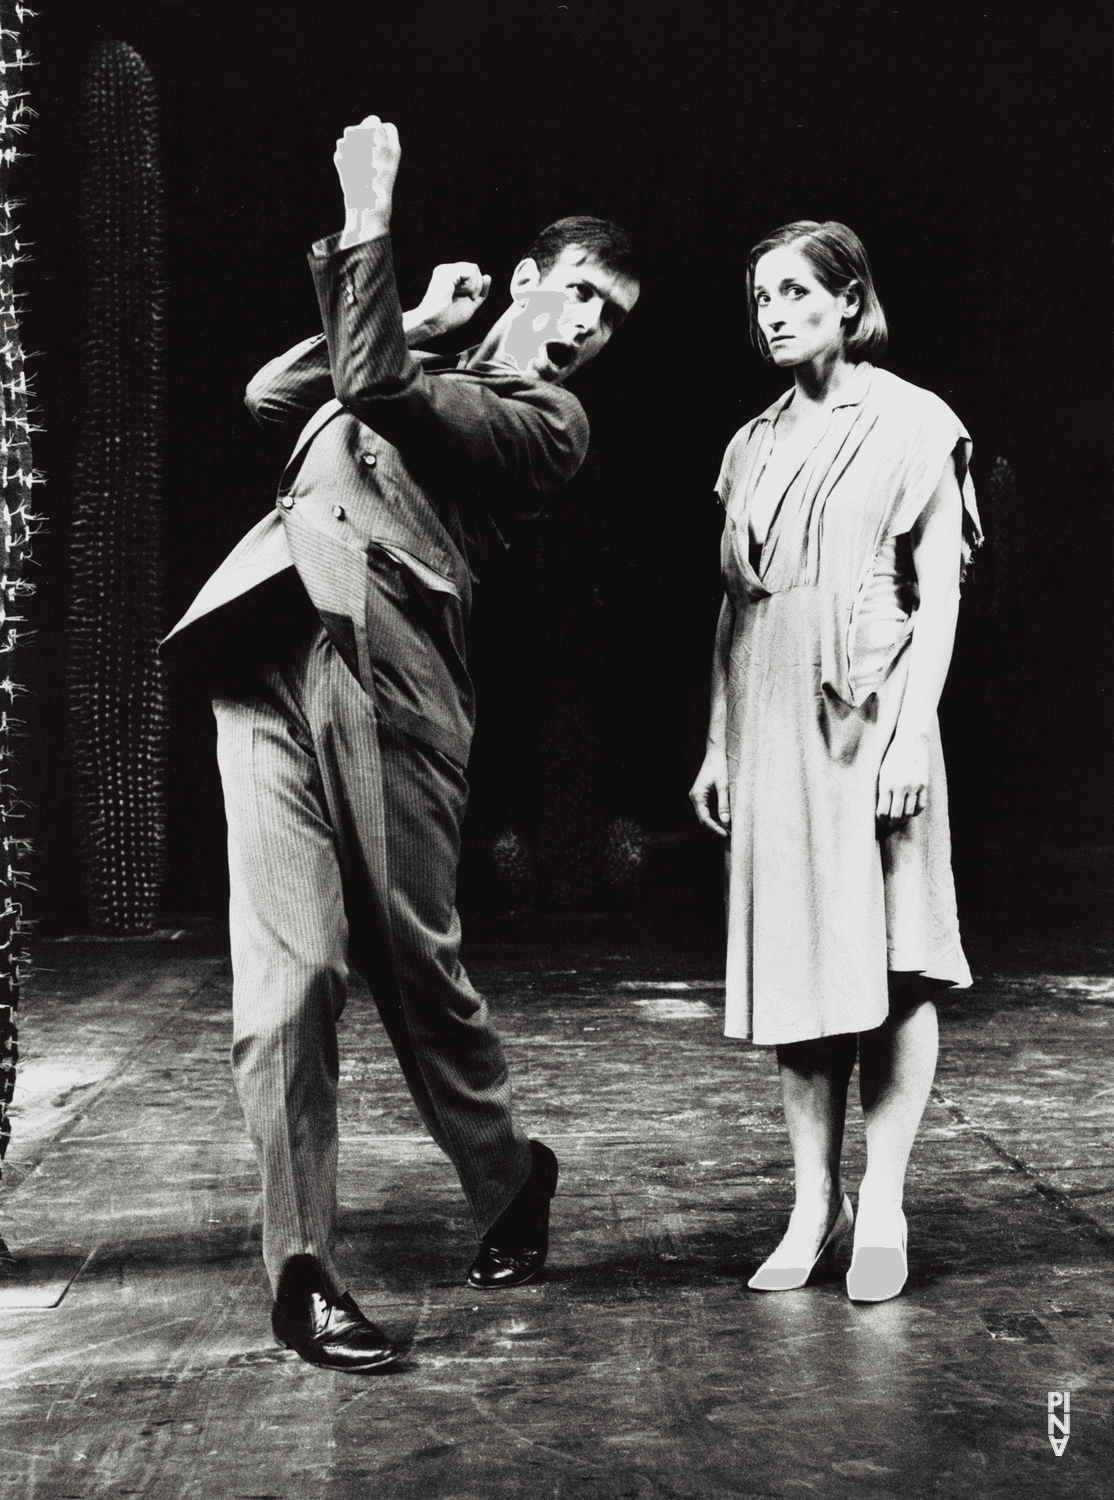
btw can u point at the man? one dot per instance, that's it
(335, 633)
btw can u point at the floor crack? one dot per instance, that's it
(1063, 1201)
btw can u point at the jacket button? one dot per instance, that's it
(338, 511)
(369, 459)
(286, 503)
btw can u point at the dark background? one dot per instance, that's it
(968, 145)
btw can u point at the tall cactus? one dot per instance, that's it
(116, 683)
(16, 523)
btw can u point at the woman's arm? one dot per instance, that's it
(937, 540)
(712, 777)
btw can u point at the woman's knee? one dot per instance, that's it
(819, 1055)
(909, 991)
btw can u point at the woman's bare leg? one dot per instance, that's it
(897, 1063)
(814, 1079)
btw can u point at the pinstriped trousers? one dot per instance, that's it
(343, 841)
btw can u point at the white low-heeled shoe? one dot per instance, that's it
(879, 1267)
(771, 1277)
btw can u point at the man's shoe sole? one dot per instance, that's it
(313, 1354)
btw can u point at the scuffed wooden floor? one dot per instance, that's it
(642, 1367)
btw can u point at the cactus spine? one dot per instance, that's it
(117, 687)
(16, 524)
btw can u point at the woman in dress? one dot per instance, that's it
(849, 517)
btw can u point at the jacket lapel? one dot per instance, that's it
(321, 417)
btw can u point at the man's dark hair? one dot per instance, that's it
(604, 241)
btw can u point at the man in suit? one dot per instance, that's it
(334, 637)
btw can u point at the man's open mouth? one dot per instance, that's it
(559, 353)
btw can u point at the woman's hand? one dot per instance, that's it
(903, 778)
(710, 796)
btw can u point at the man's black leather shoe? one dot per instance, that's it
(513, 1250)
(324, 1330)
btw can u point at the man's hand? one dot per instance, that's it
(367, 158)
(455, 291)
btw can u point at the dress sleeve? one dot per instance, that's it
(937, 439)
(911, 438)
(729, 468)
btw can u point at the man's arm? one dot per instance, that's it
(525, 435)
(290, 389)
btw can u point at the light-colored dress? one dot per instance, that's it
(820, 907)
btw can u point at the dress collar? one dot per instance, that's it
(853, 394)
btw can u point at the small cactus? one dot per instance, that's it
(513, 865)
(624, 850)
(16, 525)
(116, 682)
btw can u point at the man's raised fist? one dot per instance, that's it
(367, 158)
(456, 290)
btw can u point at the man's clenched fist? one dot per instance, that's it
(456, 290)
(367, 158)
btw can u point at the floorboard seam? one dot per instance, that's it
(30, 1164)
(1062, 1201)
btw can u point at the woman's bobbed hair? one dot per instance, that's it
(838, 260)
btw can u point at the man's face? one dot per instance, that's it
(567, 315)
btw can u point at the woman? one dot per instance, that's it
(849, 517)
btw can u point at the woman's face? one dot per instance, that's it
(801, 320)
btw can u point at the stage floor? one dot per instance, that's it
(642, 1367)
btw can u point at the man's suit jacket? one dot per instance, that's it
(410, 476)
